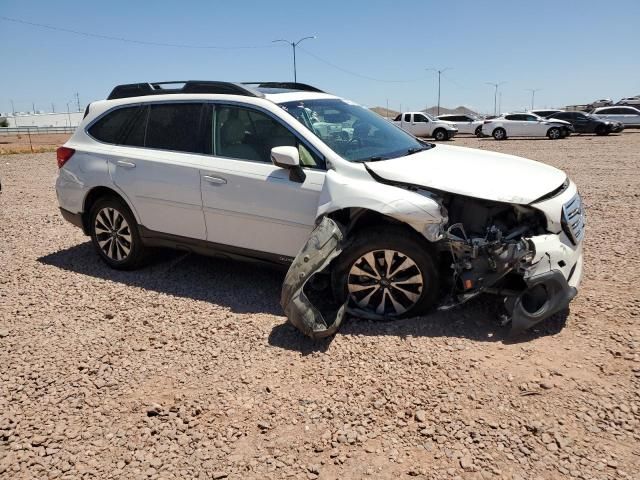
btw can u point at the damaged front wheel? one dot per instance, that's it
(386, 273)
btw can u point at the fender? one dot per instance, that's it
(417, 208)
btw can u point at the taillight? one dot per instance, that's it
(63, 154)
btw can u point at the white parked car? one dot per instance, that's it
(421, 124)
(631, 101)
(464, 123)
(525, 125)
(603, 102)
(248, 170)
(628, 116)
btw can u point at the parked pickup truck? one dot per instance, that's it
(421, 124)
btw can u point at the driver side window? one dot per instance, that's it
(420, 118)
(247, 134)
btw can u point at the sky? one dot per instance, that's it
(372, 52)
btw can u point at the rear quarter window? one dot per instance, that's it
(111, 127)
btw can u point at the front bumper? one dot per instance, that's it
(552, 281)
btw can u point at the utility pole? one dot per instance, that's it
(440, 72)
(69, 114)
(13, 109)
(53, 108)
(533, 94)
(387, 115)
(78, 100)
(293, 46)
(33, 107)
(495, 95)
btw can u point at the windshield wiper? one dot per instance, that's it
(371, 159)
(417, 149)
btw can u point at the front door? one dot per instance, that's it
(420, 125)
(248, 202)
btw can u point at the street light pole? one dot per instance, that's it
(69, 114)
(533, 94)
(293, 46)
(440, 72)
(495, 95)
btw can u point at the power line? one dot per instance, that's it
(131, 40)
(356, 74)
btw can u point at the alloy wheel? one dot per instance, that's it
(113, 234)
(386, 282)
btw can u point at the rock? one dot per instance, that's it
(421, 416)
(466, 462)
(4, 332)
(154, 409)
(547, 385)
(219, 475)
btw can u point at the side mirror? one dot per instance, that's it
(289, 158)
(285, 157)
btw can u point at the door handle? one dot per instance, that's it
(122, 163)
(214, 180)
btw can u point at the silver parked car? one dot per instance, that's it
(628, 116)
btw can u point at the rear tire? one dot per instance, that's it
(478, 132)
(114, 234)
(554, 133)
(440, 135)
(387, 271)
(499, 134)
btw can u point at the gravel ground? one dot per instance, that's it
(187, 369)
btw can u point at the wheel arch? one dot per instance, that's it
(96, 193)
(357, 219)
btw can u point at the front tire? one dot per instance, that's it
(478, 132)
(554, 133)
(388, 272)
(114, 234)
(440, 135)
(499, 134)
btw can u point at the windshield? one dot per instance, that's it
(353, 132)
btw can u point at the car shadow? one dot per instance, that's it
(240, 286)
(477, 320)
(246, 288)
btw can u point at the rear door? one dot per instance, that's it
(516, 125)
(157, 165)
(248, 202)
(630, 116)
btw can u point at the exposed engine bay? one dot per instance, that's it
(486, 241)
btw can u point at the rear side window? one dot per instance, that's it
(110, 128)
(175, 126)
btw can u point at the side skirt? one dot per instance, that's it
(152, 238)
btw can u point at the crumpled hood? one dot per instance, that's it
(474, 173)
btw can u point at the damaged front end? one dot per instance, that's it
(482, 247)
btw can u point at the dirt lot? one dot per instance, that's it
(42, 142)
(187, 369)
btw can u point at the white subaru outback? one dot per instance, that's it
(248, 170)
